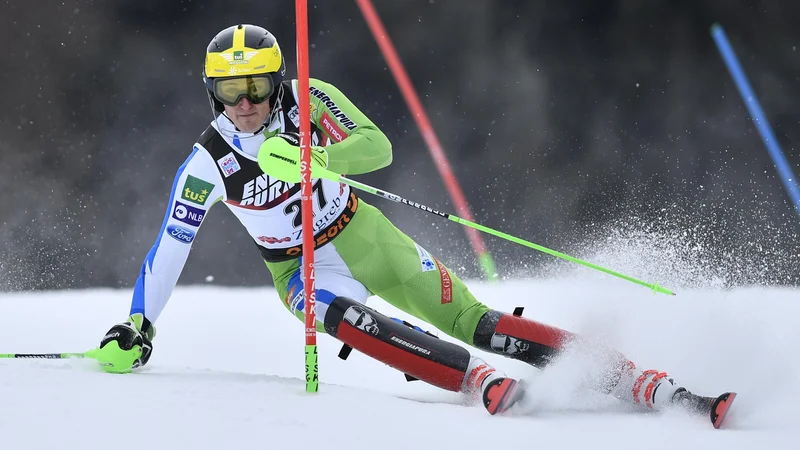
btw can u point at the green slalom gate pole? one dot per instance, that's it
(282, 164)
(487, 264)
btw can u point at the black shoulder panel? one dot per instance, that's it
(213, 142)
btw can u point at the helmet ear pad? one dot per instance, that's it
(216, 104)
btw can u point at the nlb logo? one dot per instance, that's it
(188, 214)
(180, 234)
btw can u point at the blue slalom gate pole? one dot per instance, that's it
(757, 114)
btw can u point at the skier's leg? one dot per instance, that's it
(332, 279)
(391, 341)
(393, 266)
(418, 354)
(538, 344)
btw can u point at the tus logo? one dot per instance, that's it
(196, 190)
(238, 55)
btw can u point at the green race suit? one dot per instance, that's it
(358, 251)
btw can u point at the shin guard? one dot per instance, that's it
(515, 337)
(422, 356)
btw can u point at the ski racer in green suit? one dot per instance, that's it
(358, 251)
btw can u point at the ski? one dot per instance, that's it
(720, 408)
(715, 408)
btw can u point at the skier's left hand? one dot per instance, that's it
(125, 346)
(279, 157)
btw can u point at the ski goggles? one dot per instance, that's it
(256, 88)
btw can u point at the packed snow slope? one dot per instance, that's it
(227, 372)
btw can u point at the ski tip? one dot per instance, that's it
(500, 394)
(721, 408)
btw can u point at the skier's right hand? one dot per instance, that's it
(126, 346)
(279, 157)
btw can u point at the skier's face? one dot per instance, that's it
(248, 117)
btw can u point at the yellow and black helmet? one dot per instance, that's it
(242, 61)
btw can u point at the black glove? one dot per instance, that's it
(137, 331)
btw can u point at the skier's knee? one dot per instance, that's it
(413, 327)
(323, 300)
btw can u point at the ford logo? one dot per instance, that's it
(180, 234)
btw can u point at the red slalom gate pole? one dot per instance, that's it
(428, 133)
(307, 214)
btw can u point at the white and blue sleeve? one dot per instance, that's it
(197, 186)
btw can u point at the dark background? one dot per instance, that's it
(608, 129)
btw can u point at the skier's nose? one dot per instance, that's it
(245, 104)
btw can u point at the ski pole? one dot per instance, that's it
(396, 198)
(43, 355)
(284, 167)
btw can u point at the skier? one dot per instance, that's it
(358, 252)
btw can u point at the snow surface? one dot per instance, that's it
(227, 372)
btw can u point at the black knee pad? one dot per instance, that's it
(523, 339)
(413, 352)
